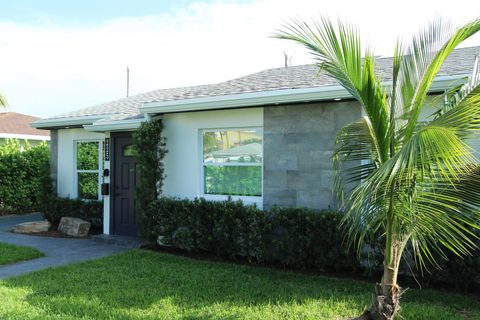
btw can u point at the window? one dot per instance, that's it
(128, 150)
(232, 162)
(89, 168)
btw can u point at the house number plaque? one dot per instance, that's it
(106, 149)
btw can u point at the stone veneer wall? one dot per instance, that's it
(298, 144)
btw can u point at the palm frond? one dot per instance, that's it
(433, 152)
(434, 160)
(364, 217)
(422, 62)
(339, 52)
(356, 154)
(462, 92)
(410, 180)
(415, 58)
(3, 101)
(443, 217)
(462, 109)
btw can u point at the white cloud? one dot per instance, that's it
(48, 68)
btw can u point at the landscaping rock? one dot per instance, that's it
(161, 241)
(74, 227)
(182, 238)
(32, 227)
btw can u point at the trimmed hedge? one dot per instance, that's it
(310, 239)
(89, 210)
(22, 175)
(297, 238)
(225, 228)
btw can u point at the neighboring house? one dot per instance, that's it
(18, 126)
(266, 138)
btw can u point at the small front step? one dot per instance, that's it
(121, 241)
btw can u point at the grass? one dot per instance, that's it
(10, 253)
(150, 285)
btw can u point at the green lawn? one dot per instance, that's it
(148, 285)
(10, 253)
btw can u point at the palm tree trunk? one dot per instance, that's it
(386, 303)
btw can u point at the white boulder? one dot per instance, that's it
(74, 227)
(32, 227)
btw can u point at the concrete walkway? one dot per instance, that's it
(58, 251)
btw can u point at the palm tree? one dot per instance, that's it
(415, 183)
(3, 102)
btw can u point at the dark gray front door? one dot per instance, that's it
(123, 188)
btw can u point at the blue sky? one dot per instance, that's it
(61, 55)
(84, 11)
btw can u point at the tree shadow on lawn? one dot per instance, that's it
(147, 285)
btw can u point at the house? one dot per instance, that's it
(15, 125)
(266, 138)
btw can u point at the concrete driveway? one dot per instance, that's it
(58, 251)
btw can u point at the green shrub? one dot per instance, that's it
(163, 218)
(89, 210)
(237, 230)
(149, 150)
(226, 228)
(22, 174)
(463, 273)
(298, 238)
(310, 239)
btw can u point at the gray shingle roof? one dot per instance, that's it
(303, 76)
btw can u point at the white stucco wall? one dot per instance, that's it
(66, 181)
(183, 161)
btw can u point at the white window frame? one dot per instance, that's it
(258, 200)
(99, 171)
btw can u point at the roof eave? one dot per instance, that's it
(274, 97)
(46, 124)
(246, 99)
(119, 125)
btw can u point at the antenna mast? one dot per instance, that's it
(128, 81)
